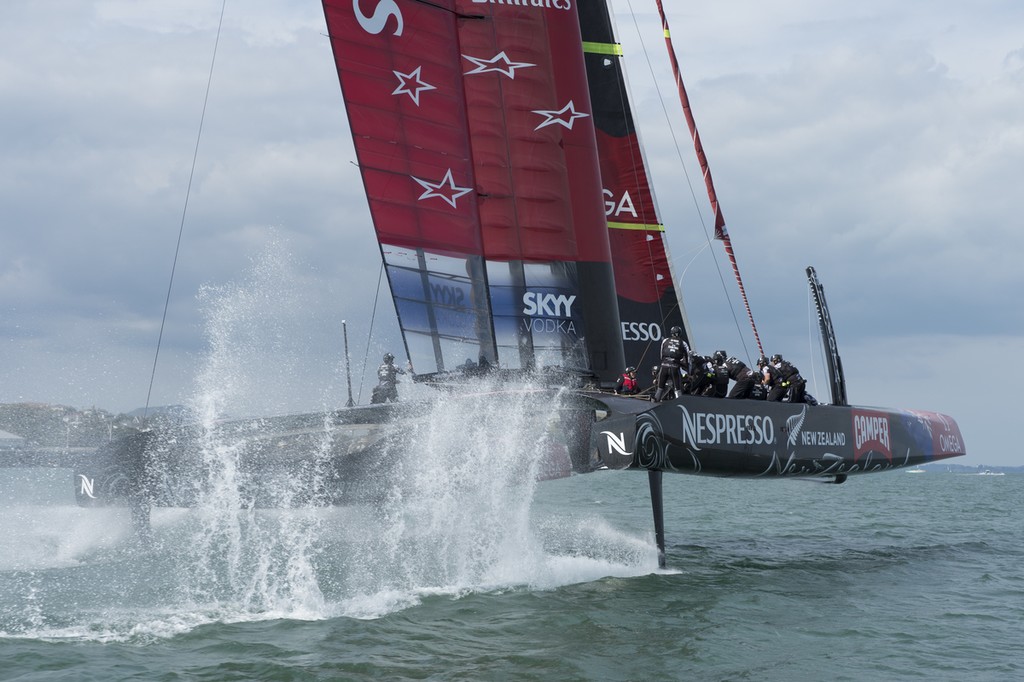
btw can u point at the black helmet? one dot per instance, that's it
(388, 357)
(630, 370)
(719, 356)
(762, 361)
(776, 359)
(675, 332)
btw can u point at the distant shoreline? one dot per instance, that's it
(943, 468)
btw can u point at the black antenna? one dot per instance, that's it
(837, 380)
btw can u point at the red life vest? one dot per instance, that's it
(628, 384)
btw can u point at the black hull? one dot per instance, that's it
(350, 456)
(758, 439)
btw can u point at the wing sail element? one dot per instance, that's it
(649, 304)
(473, 128)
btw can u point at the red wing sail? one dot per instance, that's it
(401, 75)
(648, 302)
(475, 140)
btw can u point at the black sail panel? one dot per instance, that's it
(649, 305)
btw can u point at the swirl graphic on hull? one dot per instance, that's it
(653, 448)
(650, 445)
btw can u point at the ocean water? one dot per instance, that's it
(887, 577)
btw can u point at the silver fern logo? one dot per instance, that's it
(794, 424)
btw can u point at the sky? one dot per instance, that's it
(880, 142)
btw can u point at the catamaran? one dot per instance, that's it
(518, 232)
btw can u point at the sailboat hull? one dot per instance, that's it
(349, 456)
(358, 455)
(269, 462)
(754, 439)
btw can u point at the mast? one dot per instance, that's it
(348, 371)
(721, 233)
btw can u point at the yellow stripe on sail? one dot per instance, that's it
(603, 48)
(657, 227)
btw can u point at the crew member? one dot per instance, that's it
(673, 352)
(766, 378)
(720, 380)
(702, 375)
(626, 384)
(387, 380)
(741, 375)
(788, 384)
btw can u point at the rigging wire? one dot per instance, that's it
(184, 212)
(689, 182)
(369, 336)
(721, 232)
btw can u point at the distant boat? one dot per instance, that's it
(916, 470)
(989, 472)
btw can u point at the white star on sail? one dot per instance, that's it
(553, 117)
(450, 192)
(492, 65)
(413, 78)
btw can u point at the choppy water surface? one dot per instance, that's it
(888, 576)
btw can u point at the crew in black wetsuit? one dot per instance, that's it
(741, 375)
(788, 383)
(674, 353)
(720, 380)
(702, 375)
(387, 380)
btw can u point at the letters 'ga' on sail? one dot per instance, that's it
(648, 302)
(473, 127)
